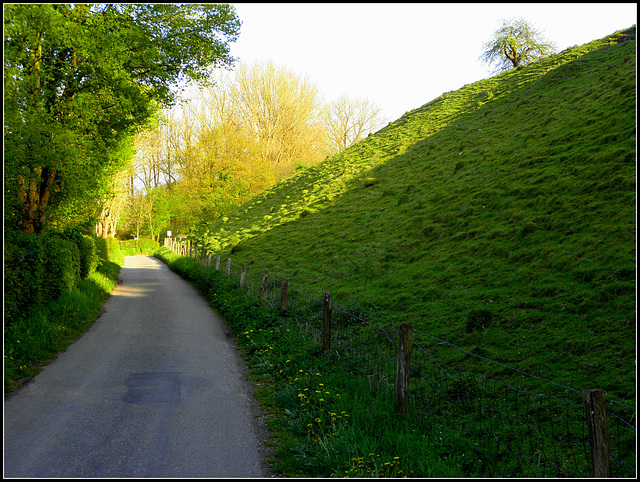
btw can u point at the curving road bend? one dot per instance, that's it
(155, 388)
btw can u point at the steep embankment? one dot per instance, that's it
(500, 217)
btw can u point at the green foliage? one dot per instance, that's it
(23, 272)
(108, 249)
(139, 246)
(88, 256)
(61, 267)
(516, 43)
(79, 80)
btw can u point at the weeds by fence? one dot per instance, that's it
(518, 431)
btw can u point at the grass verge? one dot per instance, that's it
(326, 420)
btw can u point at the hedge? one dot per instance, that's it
(40, 268)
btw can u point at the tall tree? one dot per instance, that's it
(80, 79)
(515, 43)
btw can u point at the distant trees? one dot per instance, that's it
(238, 136)
(281, 111)
(514, 44)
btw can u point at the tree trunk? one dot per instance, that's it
(36, 199)
(105, 226)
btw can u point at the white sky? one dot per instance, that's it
(401, 56)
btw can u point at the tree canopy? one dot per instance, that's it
(514, 44)
(79, 80)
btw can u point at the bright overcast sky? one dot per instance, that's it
(401, 56)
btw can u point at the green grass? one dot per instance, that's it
(326, 420)
(31, 343)
(515, 195)
(511, 200)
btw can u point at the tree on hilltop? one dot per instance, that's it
(348, 121)
(514, 44)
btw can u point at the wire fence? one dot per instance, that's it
(517, 431)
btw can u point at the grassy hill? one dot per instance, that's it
(511, 201)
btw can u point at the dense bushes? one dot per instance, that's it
(132, 247)
(61, 267)
(38, 269)
(23, 274)
(55, 284)
(108, 248)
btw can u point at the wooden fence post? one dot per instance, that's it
(228, 268)
(217, 262)
(242, 274)
(263, 282)
(595, 411)
(209, 259)
(283, 296)
(326, 320)
(402, 374)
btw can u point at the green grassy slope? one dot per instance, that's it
(511, 200)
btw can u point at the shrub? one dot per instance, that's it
(108, 249)
(23, 270)
(61, 267)
(87, 250)
(90, 256)
(102, 248)
(131, 247)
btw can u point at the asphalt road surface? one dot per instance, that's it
(155, 388)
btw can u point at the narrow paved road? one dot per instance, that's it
(155, 388)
